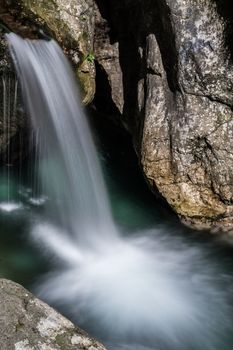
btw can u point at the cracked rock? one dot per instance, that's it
(177, 73)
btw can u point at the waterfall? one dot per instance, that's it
(75, 183)
(148, 291)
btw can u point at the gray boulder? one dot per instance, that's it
(27, 323)
(177, 80)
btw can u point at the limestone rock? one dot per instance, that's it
(70, 22)
(187, 133)
(27, 323)
(176, 61)
(109, 84)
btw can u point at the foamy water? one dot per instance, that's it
(144, 290)
(38, 200)
(10, 207)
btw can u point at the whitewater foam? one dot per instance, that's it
(10, 207)
(139, 288)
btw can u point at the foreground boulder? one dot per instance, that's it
(26, 323)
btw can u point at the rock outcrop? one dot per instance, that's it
(71, 23)
(177, 81)
(27, 323)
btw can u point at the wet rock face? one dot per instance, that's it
(69, 22)
(177, 88)
(26, 323)
(191, 164)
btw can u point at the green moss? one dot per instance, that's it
(19, 326)
(90, 58)
(87, 85)
(63, 340)
(46, 14)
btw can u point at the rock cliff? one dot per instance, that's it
(176, 75)
(71, 23)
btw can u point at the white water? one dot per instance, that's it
(52, 101)
(10, 206)
(147, 292)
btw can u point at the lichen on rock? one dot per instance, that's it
(27, 323)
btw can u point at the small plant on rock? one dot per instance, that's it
(90, 58)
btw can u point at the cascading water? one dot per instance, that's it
(9, 113)
(149, 291)
(50, 93)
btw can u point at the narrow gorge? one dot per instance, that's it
(115, 174)
(163, 71)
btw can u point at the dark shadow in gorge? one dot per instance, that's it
(126, 180)
(130, 23)
(225, 9)
(103, 93)
(118, 15)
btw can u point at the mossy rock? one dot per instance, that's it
(63, 21)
